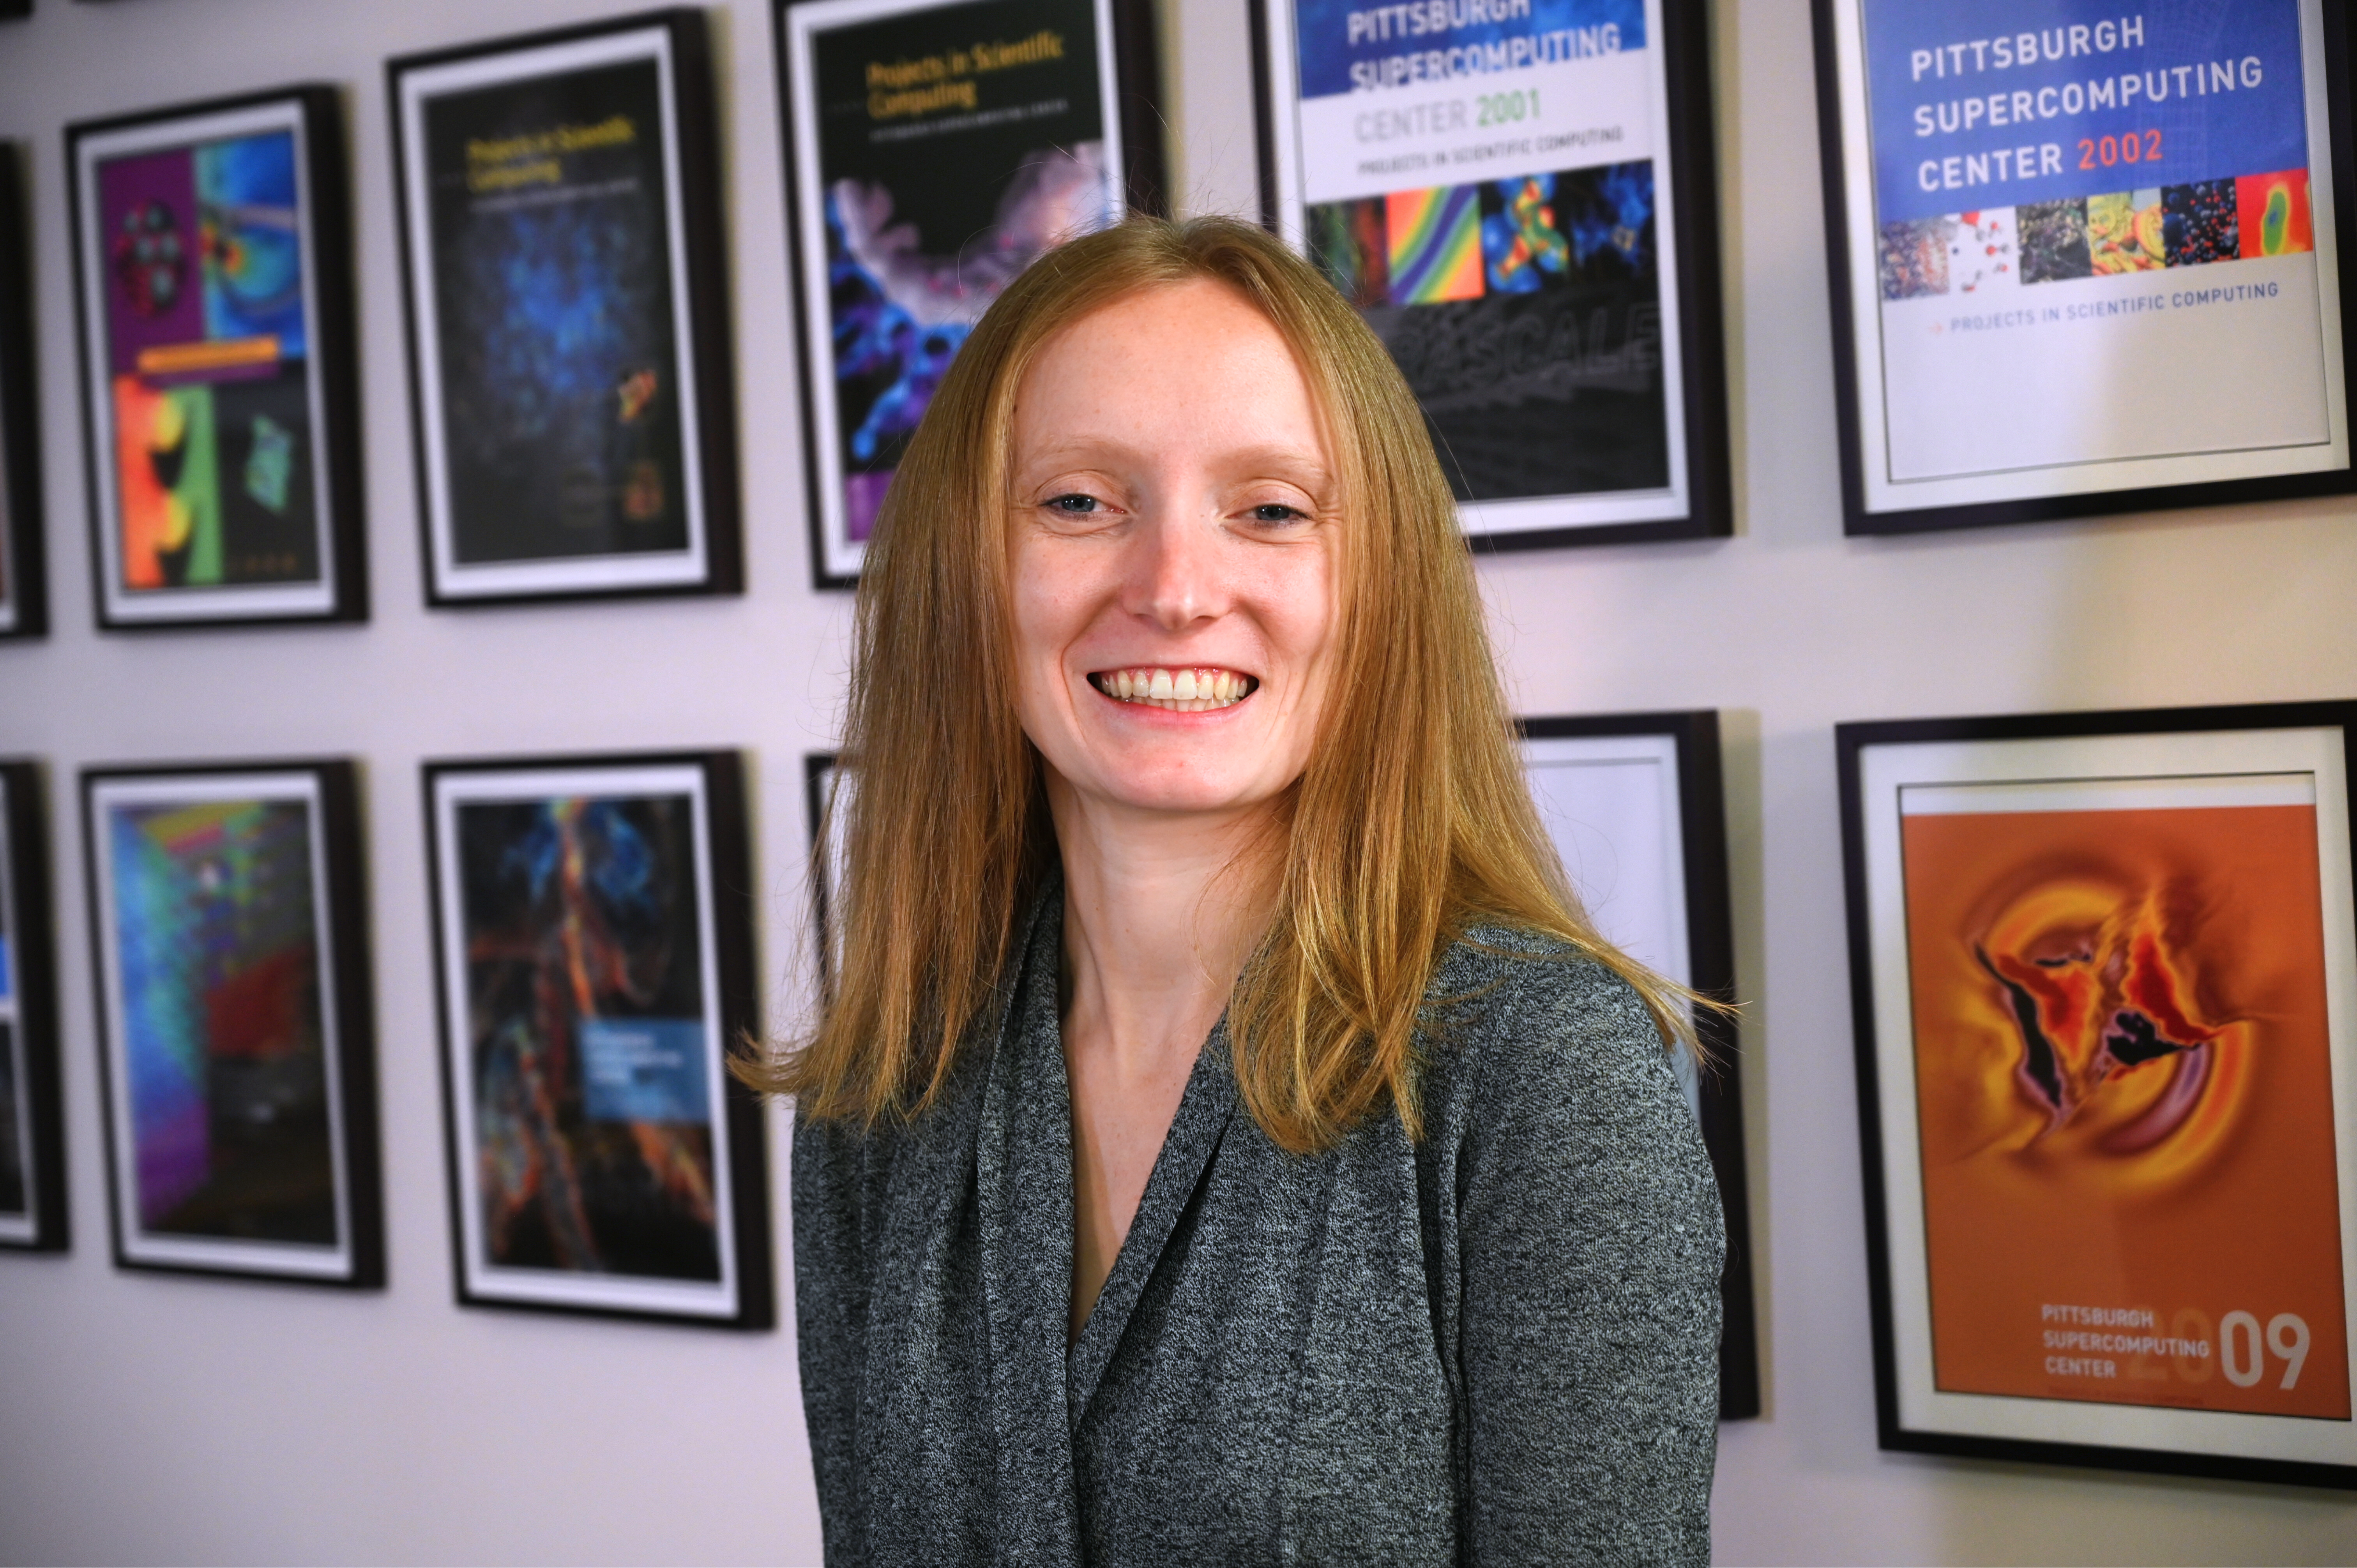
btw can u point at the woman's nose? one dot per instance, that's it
(1176, 576)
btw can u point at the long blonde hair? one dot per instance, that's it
(1412, 823)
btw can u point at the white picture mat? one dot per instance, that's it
(2113, 773)
(842, 554)
(1884, 493)
(832, 806)
(17, 1226)
(638, 568)
(1612, 805)
(107, 797)
(553, 1287)
(1536, 513)
(261, 599)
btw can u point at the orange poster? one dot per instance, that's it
(2125, 1095)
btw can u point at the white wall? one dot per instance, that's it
(149, 1418)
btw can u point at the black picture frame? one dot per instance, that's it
(663, 360)
(1126, 113)
(33, 1212)
(819, 768)
(713, 845)
(1963, 1377)
(2146, 482)
(1699, 952)
(324, 413)
(24, 570)
(226, 849)
(1692, 497)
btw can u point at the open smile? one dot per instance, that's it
(1194, 689)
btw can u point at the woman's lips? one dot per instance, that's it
(1182, 689)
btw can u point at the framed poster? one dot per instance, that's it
(933, 149)
(593, 929)
(565, 263)
(1635, 804)
(2103, 968)
(237, 1055)
(32, 1127)
(1518, 195)
(24, 579)
(2084, 258)
(221, 420)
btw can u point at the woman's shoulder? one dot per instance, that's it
(1534, 989)
(1521, 1015)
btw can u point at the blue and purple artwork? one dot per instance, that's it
(223, 1050)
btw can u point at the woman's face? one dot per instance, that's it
(1172, 545)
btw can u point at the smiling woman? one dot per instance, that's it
(1226, 1138)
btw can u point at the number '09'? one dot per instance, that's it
(2239, 1352)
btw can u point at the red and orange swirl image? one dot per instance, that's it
(2125, 1090)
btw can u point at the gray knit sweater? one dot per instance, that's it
(1495, 1345)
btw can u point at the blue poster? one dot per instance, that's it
(1978, 105)
(1348, 46)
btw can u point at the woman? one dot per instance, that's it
(1225, 1140)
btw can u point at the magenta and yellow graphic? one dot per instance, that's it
(1435, 244)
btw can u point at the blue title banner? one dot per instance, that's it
(1352, 45)
(1978, 105)
(644, 1070)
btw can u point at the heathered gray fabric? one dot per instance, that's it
(1497, 1346)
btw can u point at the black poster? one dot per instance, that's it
(553, 292)
(939, 150)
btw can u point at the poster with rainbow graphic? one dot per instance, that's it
(1493, 184)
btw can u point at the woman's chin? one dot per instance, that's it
(1190, 792)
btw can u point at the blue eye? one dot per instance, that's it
(1276, 511)
(1074, 505)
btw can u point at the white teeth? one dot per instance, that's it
(1191, 691)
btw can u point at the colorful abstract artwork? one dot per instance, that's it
(1435, 244)
(595, 948)
(1351, 246)
(208, 343)
(2054, 244)
(2124, 1066)
(2273, 213)
(1913, 257)
(2199, 223)
(590, 1055)
(1522, 244)
(1525, 314)
(214, 929)
(943, 147)
(2124, 232)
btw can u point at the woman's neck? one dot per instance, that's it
(1160, 911)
